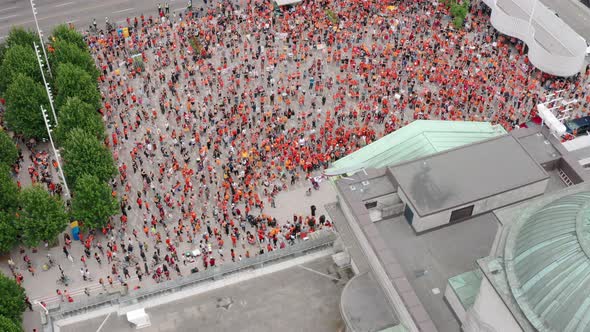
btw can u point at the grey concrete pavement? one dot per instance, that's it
(296, 299)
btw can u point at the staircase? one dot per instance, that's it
(565, 178)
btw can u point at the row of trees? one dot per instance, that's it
(12, 305)
(33, 215)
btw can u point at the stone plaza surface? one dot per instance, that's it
(42, 286)
(295, 299)
(293, 201)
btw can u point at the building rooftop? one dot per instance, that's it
(547, 262)
(430, 259)
(466, 287)
(416, 140)
(539, 148)
(464, 175)
(553, 46)
(276, 301)
(364, 305)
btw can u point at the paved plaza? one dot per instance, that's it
(232, 111)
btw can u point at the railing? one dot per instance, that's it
(317, 240)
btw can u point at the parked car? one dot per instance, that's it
(578, 126)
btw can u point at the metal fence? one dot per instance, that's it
(317, 240)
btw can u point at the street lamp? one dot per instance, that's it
(40, 36)
(55, 152)
(47, 87)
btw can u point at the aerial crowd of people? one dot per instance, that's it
(213, 112)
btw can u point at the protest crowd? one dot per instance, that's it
(212, 112)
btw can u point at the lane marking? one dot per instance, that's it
(123, 10)
(9, 8)
(64, 4)
(9, 16)
(59, 15)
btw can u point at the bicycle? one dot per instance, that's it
(63, 281)
(50, 263)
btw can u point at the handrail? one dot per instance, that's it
(318, 239)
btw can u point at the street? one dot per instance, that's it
(573, 13)
(78, 12)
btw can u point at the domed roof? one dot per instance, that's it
(548, 266)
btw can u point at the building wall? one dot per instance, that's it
(489, 313)
(455, 303)
(421, 224)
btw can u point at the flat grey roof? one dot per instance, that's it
(539, 148)
(364, 304)
(456, 177)
(273, 302)
(430, 259)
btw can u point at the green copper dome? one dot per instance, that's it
(548, 263)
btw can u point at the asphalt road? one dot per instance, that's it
(82, 12)
(574, 13)
(78, 12)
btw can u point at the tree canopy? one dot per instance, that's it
(18, 60)
(63, 32)
(8, 149)
(22, 114)
(66, 52)
(12, 299)
(6, 325)
(17, 36)
(78, 114)
(73, 81)
(8, 190)
(22, 37)
(9, 233)
(42, 216)
(92, 203)
(85, 154)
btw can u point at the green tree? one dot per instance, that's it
(78, 114)
(22, 114)
(12, 299)
(73, 81)
(42, 216)
(6, 325)
(92, 202)
(9, 233)
(18, 60)
(8, 190)
(66, 52)
(22, 37)
(8, 149)
(459, 12)
(63, 32)
(85, 154)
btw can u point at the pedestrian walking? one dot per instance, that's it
(28, 303)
